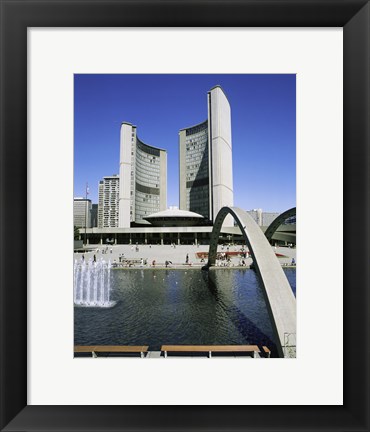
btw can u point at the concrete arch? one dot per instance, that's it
(280, 300)
(278, 221)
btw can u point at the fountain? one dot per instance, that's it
(92, 284)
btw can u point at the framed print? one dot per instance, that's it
(50, 85)
(38, 389)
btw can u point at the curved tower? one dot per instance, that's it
(194, 170)
(221, 164)
(143, 178)
(206, 175)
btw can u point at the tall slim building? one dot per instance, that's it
(143, 178)
(108, 202)
(81, 212)
(100, 204)
(206, 176)
(94, 215)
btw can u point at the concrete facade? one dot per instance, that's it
(221, 166)
(143, 178)
(151, 235)
(126, 184)
(205, 160)
(263, 218)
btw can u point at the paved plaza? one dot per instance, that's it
(175, 254)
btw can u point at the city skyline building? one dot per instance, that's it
(200, 178)
(108, 202)
(143, 178)
(205, 173)
(263, 218)
(205, 161)
(82, 212)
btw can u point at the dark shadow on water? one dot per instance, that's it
(245, 326)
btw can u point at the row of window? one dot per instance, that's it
(197, 129)
(147, 158)
(193, 155)
(147, 172)
(196, 143)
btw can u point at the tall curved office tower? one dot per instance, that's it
(143, 178)
(206, 174)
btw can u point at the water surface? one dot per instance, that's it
(156, 307)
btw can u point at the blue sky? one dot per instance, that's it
(263, 122)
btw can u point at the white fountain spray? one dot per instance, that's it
(92, 284)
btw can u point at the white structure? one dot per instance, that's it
(175, 217)
(280, 300)
(108, 202)
(206, 176)
(256, 215)
(143, 178)
(81, 212)
(262, 218)
(268, 218)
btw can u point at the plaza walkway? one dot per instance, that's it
(177, 255)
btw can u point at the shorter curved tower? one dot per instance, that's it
(143, 178)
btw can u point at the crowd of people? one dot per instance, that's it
(229, 256)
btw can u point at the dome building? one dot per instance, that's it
(173, 217)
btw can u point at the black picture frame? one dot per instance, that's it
(16, 17)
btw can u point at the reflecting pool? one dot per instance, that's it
(155, 307)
